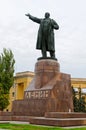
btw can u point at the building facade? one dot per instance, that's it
(21, 81)
(79, 84)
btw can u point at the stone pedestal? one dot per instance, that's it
(45, 70)
(49, 91)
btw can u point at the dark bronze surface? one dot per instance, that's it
(45, 39)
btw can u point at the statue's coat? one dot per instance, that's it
(48, 36)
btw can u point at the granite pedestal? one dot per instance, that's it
(49, 91)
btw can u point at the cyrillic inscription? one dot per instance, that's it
(37, 94)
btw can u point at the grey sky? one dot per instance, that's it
(19, 34)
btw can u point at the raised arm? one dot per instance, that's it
(37, 20)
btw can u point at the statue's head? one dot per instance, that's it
(47, 15)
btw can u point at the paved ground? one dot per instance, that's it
(13, 122)
(3, 129)
(73, 127)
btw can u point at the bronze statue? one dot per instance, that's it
(45, 39)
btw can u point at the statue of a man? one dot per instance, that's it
(45, 39)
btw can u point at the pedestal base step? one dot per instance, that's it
(65, 115)
(58, 122)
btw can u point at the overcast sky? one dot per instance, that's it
(19, 34)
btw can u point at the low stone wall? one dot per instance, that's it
(51, 118)
(9, 116)
(5, 116)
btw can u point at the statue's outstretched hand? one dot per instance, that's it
(28, 15)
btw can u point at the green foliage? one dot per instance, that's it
(6, 76)
(4, 102)
(82, 103)
(79, 102)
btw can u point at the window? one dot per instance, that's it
(13, 94)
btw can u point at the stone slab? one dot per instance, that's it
(58, 122)
(65, 115)
(20, 118)
(61, 119)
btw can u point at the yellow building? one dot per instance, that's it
(23, 79)
(78, 83)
